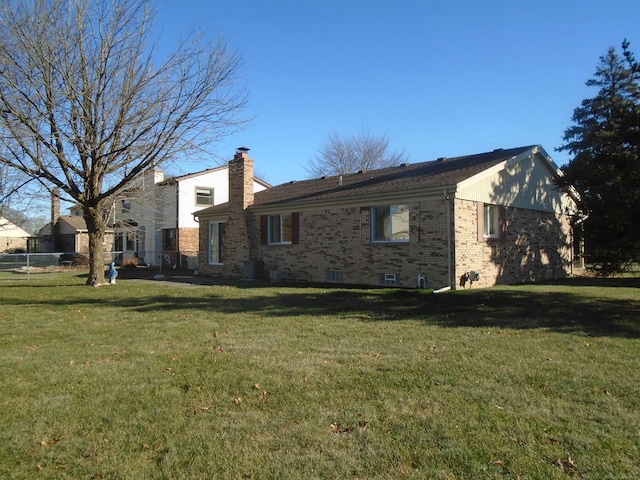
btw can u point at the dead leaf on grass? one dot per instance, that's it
(568, 466)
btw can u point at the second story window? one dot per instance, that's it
(204, 196)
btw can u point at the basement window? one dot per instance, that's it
(389, 279)
(333, 277)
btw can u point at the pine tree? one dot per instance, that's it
(605, 170)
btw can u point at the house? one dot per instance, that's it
(67, 233)
(476, 220)
(12, 237)
(154, 220)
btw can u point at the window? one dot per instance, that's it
(126, 205)
(491, 221)
(390, 223)
(280, 228)
(216, 242)
(125, 241)
(204, 196)
(169, 239)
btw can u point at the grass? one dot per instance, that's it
(146, 380)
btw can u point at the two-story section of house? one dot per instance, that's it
(154, 219)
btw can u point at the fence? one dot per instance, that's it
(22, 265)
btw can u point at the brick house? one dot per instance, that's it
(12, 237)
(67, 233)
(154, 219)
(478, 220)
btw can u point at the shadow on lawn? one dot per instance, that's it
(563, 311)
(571, 310)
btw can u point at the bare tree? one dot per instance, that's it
(84, 108)
(362, 152)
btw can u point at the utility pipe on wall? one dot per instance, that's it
(449, 249)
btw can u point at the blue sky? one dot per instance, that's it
(439, 78)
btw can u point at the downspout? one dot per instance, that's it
(450, 281)
(449, 239)
(178, 256)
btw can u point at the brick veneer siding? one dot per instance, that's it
(535, 246)
(338, 240)
(241, 235)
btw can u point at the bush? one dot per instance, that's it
(131, 262)
(76, 259)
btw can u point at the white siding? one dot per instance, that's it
(521, 182)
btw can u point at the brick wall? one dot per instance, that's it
(241, 233)
(337, 242)
(535, 246)
(188, 239)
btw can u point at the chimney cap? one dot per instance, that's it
(242, 149)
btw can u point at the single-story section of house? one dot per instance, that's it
(480, 220)
(68, 233)
(12, 237)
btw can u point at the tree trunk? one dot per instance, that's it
(96, 229)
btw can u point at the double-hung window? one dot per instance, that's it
(216, 242)
(390, 223)
(280, 230)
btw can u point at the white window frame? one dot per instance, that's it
(204, 193)
(391, 211)
(214, 249)
(276, 233)
(491, 221)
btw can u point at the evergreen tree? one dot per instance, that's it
(605, 170)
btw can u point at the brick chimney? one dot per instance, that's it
(241, 177)
(55, 206)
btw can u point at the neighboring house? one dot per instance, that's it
(483, 219)
(68, 233)
(12, 237)
(154, 221)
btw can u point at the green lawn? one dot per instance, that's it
(147, 381)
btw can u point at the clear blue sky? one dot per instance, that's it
(439, 78)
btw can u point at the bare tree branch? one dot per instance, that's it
(85, 108)
(362, 152)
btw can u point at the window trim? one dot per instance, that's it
(389, 208)
(484, 215)
(208, 197)
(491, 221)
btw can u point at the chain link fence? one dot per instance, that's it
(22, 265)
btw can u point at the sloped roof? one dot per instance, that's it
(8, 229)
(180, 178)
(76, 222)
(444, 172)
